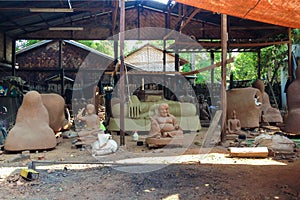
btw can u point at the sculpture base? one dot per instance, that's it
(161, 142)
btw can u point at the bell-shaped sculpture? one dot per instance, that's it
(292, 124)
(31, 130)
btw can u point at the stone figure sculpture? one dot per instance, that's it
(270, 114)
(246, 103)
(234, 124)
(163, 126)
(203, 108)
(292, 124)
(90, 132)
(31, 130)
(55, 105)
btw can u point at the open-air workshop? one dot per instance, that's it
(149, 99)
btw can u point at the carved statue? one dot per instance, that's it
(90, 132)
(292, 124)
(32, 130)
(55, 105)
(234, 124)
(164, 124)
(270, 114)
(164, 129)
(246, 103)
(203, 108)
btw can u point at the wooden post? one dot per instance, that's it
(4, 46)
(139, 19)
(258, 64)
(290, 66)
(224, 38)
(122, 85)
(176, 60)
(212, 77)
(13, 53)
(62, 73)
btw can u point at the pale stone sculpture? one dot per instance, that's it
(292, 123)
(163, 126)
(55, 105)
(31, 130)
(270, 114)
(89, 134)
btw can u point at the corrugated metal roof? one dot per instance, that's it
(96, 19)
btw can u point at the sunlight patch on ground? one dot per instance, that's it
(6, 171)
(212, 158)
(172, 197)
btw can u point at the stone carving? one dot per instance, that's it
(271, 115)
(204, 108)
(246, 103)
(55, 105)
(234, 124)
(89, 133)
(292, 124)
(138, 113)
(163, 126)
(31, 130)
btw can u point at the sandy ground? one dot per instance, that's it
(136, 172)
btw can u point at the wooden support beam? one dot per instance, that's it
(60, 63)
(190, 17)
(13, 54)
(224, 39)
(258, 64)
(230, 60)
(290, 66)
(212, 76)
(232, 45)
(114, 16)
(122, 84)
(218, 64)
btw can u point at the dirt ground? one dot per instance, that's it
(136, 172)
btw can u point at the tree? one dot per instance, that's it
(272, 58)
(21, 44)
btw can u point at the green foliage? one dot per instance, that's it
(104, 46)
(272, 58)
(245, 66)
(296, 36)
(21, 44)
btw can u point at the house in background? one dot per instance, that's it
(150, 58)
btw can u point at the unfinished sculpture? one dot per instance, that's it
(164, 128)
(292, 124)
(234, 124)
(89, 134)
(246, 103)
(271, 115)
(31, 130)
(55, 105)
(138, 113)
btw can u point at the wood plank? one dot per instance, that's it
(249, 152)
(212, 136)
